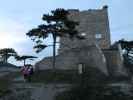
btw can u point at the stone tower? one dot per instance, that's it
(94, 24)
(92, 52)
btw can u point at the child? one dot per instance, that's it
(30, 72)
(25, 72)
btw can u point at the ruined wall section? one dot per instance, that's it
(114, 63)
(91, 57)
(92, 23)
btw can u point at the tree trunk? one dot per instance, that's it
(54, 52)
(54, 60)
(24, 61)
(6, 58)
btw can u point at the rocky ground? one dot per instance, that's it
(22, 90)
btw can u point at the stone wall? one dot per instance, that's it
(91, 22)
(114, 63)
(73, 52)
(70, 59)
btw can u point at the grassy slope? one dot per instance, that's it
(60, 76)
(5, 83)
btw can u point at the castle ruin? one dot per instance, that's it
(93, 51)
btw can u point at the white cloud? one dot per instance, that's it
(11, 33)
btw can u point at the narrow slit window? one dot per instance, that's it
(80, 68)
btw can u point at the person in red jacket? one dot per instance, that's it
(27, 72)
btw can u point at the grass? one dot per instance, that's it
(66, 76)
(5, 83)
(61, 76)
(71, 76)
(4, 86)
(13, 75)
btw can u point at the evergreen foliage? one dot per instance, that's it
(6, 53)
(57, 24)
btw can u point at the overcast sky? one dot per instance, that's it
(19, 16)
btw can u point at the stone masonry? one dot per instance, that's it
(93, 23)
(91, 52)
